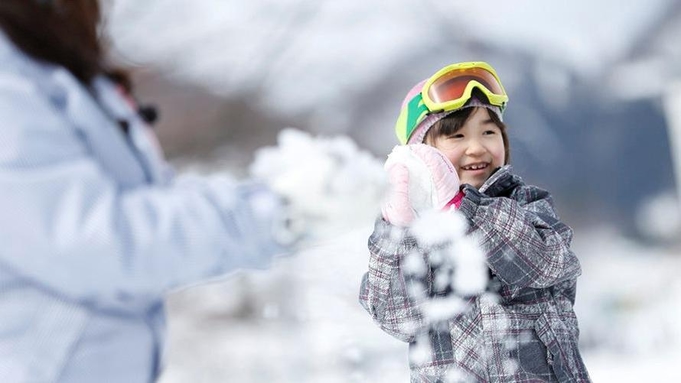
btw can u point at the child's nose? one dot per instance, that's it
(474, 148)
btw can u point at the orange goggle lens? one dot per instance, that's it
(452, 85)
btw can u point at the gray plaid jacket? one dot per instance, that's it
(524, 328)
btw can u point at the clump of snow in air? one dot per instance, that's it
(470, 275)
(457, 376)
(413, 264)
(443, 309)
(419, 353)
(461, 253)
(331, 185)
(433, 228)
(458, 271)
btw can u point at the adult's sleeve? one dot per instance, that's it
(67, 226)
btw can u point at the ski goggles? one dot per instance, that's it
(447, 90)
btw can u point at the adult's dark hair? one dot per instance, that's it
(455, 121)
(63, 32)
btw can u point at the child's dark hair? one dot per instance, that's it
(453, 122)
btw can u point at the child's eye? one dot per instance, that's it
(490, 132)
(456, 135)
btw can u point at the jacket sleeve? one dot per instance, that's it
(384, 292)
(69, 227)
(525, 242)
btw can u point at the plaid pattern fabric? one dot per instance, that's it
(523, 329)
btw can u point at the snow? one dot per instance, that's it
(320, 335)
(434, 228)
(328, 182)
(441, 309)
(461, 262)
(629, 306)
(301, 320)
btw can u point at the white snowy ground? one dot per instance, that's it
(629, 306)
(301, 320)
(304, 323)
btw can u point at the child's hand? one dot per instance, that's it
(444, 177)
(397, 209)
(421, 178)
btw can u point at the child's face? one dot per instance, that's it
(475, 150)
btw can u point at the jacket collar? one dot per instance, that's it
(501, 173)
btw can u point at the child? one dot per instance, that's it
(529, 331)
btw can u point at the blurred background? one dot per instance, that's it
(594, 117)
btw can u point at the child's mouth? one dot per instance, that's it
(475, 167)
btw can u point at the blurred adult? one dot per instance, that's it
(95, 226)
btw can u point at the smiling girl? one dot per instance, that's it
(523, 327)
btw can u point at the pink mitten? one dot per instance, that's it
(445, 180)
(397, 207)
(421, 178)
